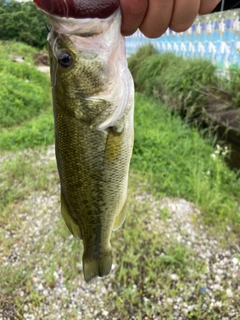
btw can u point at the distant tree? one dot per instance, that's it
(23, 22)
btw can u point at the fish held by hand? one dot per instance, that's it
(93, 102)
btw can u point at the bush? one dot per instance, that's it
(173, 80)
(233, 86)
(15, 49)
(138, 57)
(180, 163)
(25, 92)
(24, 71)
(23, 22)
(151, 71)
(38, 131)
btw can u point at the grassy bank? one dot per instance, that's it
(25, 108)
(189, 87)
(153, 270)
(169, 262)
(181, 163)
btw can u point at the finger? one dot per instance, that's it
(184, 13)
(207, 6)
(157, 18)
(133, 12)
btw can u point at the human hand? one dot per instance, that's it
(153, 17)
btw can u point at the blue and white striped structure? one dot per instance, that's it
(214, 36)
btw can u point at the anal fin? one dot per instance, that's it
(120, 218)
(69, 220)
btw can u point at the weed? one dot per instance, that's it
(189, 87)
(140, 55)
(24, 93)
(180, 162)
(16, 49)
(35, 132)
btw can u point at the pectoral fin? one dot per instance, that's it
(120, 218)
(69, 220)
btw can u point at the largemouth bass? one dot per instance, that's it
(93, 102)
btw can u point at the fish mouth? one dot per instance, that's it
(84, 28)
(79, 8)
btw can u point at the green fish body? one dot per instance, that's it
(93, 102)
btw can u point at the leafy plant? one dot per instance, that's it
(24, 22)
(36, 132)
(25, 105)
(180, 162)
(21, 98)
(173, 80)
(136, 59)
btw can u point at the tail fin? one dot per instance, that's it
(97, 267)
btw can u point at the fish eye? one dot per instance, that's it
(65, 59)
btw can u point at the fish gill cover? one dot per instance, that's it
(79, 8)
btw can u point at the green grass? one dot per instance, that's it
(177, 163)
(18, 174)
(169, 159)
(181, 163)
(188, 86)
(138, 57)
(25, 92)
(20, 100)
(232, 86)
(175, 158)
(25, 104)
(37, 131)
(16, 49)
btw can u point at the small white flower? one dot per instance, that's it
(229, 293)
(218, 304)
(174, 277)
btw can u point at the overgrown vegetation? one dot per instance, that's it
(10, 49)
(186, 86)
(233, 86)
(25, 108)
(23, 22)
(182, 163)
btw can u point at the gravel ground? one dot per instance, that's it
(39, 213)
